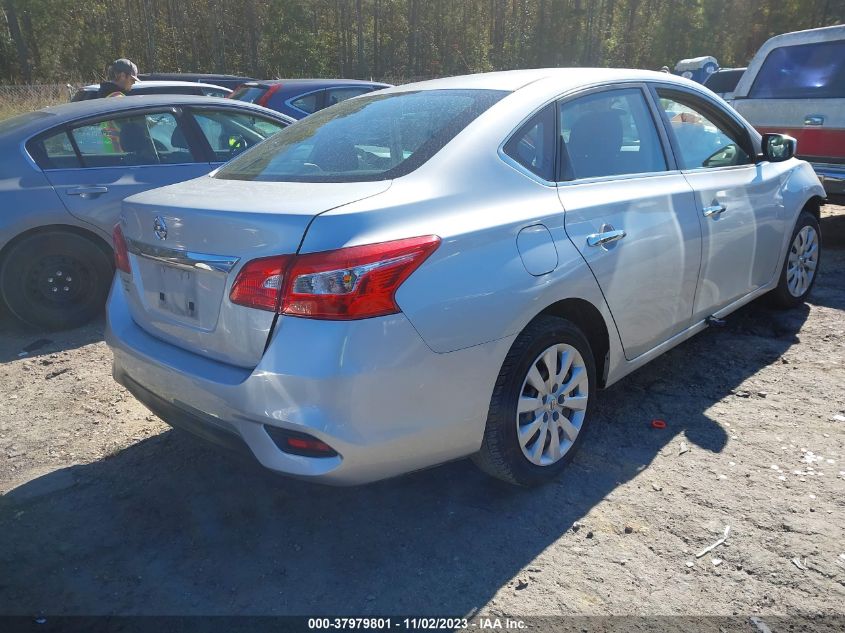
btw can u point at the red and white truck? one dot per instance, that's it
(795, 85)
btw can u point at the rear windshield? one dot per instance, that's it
(806, 71)
(724, 80)
(250, 94)
(373, 137)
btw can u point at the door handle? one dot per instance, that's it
(600, 239)
(716, 209)
(81, 191)
(814, 119)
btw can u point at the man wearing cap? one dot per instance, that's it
(123, 74)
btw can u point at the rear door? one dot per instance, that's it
(742, 224)
(630, 213)
(117, 157)
(800, 90)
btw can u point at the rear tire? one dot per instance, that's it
(801, 263)
(55, 280)
(533, 446)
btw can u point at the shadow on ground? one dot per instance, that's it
(170, 525)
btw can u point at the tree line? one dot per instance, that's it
(75, 40)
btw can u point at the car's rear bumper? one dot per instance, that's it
(370, 389)
(832, 177)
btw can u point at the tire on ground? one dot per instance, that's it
(55, 279)
(501, 455)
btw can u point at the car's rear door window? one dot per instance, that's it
(609, 133)
(533, 144)
(336, 95)
(54, 152)
(230, 133)
(805, 71)
(147, 139)
(703, 139)
(374, 137)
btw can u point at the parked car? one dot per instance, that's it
(159, 88)
(796, 85)
(227, 81)
(723, 82)
(300, 97)
(697, 68)
(452, 268)
(66, 170)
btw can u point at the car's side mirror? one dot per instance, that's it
(778, 147)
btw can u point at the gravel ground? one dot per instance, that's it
(107, 511)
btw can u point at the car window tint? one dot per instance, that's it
(336, 95)
(609, 133)
(533, 145)
(151, 139)
(700, 139)
(248, 93)
(374, 137)
(805, 71)
(54, 152)
(230, 133)
(307, 103)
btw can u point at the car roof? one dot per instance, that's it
(561, 78)
(155, 83)
(56, 115)
(316, 82)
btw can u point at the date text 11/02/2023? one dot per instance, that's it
(423, 623)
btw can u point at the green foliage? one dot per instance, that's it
(75, 40)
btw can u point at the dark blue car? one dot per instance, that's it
(300, 97)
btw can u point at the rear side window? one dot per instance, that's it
(609, 133)
(230, 133)
(307, 103)
(374, 137)
(151, 139)
(54, 152)
(533, 145)
(806, 71)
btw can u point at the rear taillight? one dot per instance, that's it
(121, 253)
(263, 99)
(259, 282)
(358, 282)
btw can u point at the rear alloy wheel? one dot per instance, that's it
(801, 264)
(55, 280)
(540, 405)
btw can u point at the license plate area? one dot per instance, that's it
(176, 291)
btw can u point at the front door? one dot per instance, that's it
(742, 225)
(630, 214)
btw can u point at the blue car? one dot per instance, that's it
(300, 97)
(65, 170)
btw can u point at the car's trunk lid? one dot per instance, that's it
(187, 243)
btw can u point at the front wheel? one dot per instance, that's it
(801, 263)
(541, 404)
(55, 280)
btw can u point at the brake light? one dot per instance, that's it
(263, 99)
(259, 282)
(357, 282)
(121, 252)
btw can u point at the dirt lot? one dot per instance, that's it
(106, 511)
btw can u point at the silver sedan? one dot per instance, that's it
(453, 268)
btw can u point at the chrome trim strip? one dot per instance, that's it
(183, 259)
